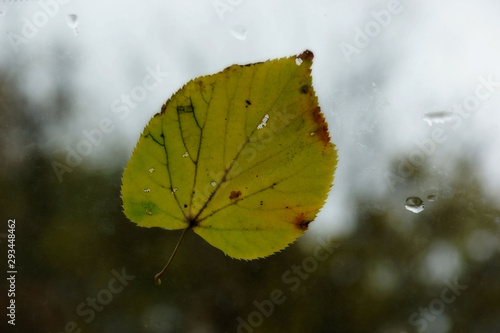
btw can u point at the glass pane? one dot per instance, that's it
(407, 241)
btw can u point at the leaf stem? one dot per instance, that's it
(159, 275)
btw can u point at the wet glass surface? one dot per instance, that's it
(408, 240)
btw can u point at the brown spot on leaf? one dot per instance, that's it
(301, 222)
(234, 195)
(322, 130)
(185, 109)
(163, 109)
(306, 55)
(247, 65)
(304, 89)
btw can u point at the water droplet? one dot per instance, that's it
(147, 190)
(438, 117)
(263, 123)
(239, 31)
(213, 183)
(152, 170)
(186, 154)
(298, 61)
(414, 204)
(72, 21)
(432, 197)
(174, 190)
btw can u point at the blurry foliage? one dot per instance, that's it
(71, 235)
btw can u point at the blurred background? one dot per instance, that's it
(408, 240)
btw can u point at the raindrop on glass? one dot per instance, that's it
(437, 117)
(432, 197)
(414, 204)
(72, 21)
(239, 32)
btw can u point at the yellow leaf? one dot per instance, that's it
(243, 157)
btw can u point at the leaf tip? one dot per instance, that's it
(306, 55)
